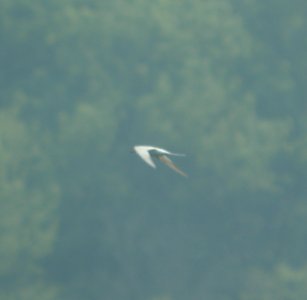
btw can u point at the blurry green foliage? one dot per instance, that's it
(81, 83)
(29, 198)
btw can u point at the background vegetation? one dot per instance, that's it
(81, 82)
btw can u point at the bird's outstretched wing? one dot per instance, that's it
(144, 154)
(170, 164)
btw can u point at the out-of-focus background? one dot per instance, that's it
(223, 81)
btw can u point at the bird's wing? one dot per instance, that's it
(176, 154)
(144, 154)
(160, 151)
(170, 164)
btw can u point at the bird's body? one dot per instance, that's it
(148, 152)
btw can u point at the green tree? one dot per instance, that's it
(28, 221)
(86, 81)
(283, 282)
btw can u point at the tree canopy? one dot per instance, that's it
(222, 81)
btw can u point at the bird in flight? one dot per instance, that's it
(148, 152)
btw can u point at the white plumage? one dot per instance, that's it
(148, 152)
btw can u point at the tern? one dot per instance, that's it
(148, 152)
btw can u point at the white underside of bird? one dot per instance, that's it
(148, 152)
